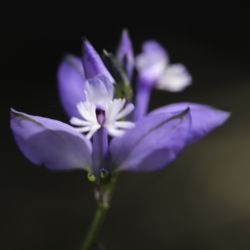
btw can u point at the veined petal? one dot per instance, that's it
(151, 63)
(204, 118)
(71, 80)
(175, 78)
(153, 143)
(125, 53)
(52, 143)
(93, 64)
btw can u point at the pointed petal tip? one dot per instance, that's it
(12, 110)
(125, 34)
(225, 115)
(68, 57)
(88, 49)
(87, 46)
(204, 118)
(125, 31)
(92, 62)
(85, 39)
(14, 113)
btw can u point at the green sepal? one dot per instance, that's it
(122, 84)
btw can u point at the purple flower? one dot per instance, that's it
(155, 70)
(102, 137)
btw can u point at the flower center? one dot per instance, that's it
(100, 116)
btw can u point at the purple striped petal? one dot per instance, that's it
(155, 142)
(204, 118)
(71, 84)
(93, 64)
(125, 53)
(49, 142)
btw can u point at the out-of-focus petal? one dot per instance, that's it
(71, 84)
(93, 64)
(175, 78)
(155, 142)
(151, 63)
(98, 90)
(49, 142)
(204, 118)
(125, 53)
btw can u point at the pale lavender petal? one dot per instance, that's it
(99, 90)
(71, 84)
(49, 142)
(155, 142)
(93, 64)
(175, 78)
(204, 118)
(125, 53)
(151, 63)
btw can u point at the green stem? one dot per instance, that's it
(103, 197)
(95, 227)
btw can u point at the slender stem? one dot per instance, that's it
(142, 100)
(95, 227)
(103, 197)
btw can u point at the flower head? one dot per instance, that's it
(86, 89)
(100, 109)
(155, 70)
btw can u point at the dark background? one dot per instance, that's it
(201, 201)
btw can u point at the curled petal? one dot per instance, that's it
(204, 118)
(93, 64)
(153, 143)
(125, 53)
(71, 84)
(49, 142)
(175, 78)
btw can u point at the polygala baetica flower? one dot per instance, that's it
(154, 69)
(103, 135)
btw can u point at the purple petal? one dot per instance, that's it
(93, 64)
(52, 143)
(71, 84)
(125, 53)
(155, 142)
(204, 118)
(98, 90)
(151, 63)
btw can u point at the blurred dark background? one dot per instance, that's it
(201, 201)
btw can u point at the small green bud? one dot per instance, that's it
(91, 177)
(104, 173)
